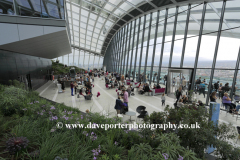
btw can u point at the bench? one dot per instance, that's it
(148, 93)
(158, 91)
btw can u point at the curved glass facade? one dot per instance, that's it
(202, 37)
(82, 59)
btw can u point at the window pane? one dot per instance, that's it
(227, 51)
(207, 50)
(190, 52)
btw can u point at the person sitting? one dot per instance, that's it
(158, 86)
(154, 86)
(200, 103)
(88, 96)
(140, 89)
(180, 103)
(115, 83)
(185, 99)
(213, 97)
(146, 89)
(227, 102)
(80, 92)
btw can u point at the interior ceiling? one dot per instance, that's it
(46, 46)
(93, 23)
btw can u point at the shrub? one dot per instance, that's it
(15, 92)
(8, 110)
(16, 144)
(10, 82)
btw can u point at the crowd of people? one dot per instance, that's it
(81, 79)
(115, 80)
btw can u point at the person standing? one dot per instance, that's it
(178, 93)
(75, 87)
(165, 79)
(125, 96)
(118, 105)
(163, 99)
(72, 86)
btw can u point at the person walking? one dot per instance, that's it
(163, 99)
(178, 93)
(72, 86)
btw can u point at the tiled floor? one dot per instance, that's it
(106, 101)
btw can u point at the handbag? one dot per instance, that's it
(78, 96)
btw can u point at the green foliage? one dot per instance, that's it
(10, 82)
(34, 118)
(10, 100)
(60, 69)
(2, 87)
(112, 149)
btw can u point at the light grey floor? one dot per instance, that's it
(105, 103)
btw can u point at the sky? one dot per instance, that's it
(228, 49)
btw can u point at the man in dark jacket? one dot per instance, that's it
(146, 88)
(178, 93)
(118, 105)
(216, 85)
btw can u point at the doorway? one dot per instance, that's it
(178, 78)
(28, 81)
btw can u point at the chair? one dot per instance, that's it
(142, 114)
(226, 108)
(141, 111)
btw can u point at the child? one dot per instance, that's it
(163, 99)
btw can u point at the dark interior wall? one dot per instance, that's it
(13, 65)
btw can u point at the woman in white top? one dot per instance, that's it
(180, 103)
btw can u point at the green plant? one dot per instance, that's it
(104, 157)
(16, 144)
(155, 118)
(10, 82)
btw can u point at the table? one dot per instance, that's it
(130, 113)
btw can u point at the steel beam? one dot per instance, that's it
(140, 59)
(216, 51)
(136, 48)
(148, 41)
(129, 41)
(185, 36)
(162, 48)
(154, 46)
(125, 50)
(133, 38)
(173, 37)
(198, 45)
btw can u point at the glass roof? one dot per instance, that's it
(91, 20)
